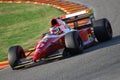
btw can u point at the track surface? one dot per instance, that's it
(101, 62)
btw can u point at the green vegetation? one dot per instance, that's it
(22, 24)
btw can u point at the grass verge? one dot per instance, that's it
(22, 24)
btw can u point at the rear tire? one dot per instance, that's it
(102, 30)
(15, 53)
(67, 53)
(74, 44)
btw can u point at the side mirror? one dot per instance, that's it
(42, 36)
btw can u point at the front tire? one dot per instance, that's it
(15, 53)
(74, 44)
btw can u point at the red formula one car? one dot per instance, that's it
(82, 31)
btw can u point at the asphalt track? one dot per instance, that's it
(100, 62)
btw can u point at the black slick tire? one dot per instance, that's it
(74, 44)
(102, 30)
(15, 53)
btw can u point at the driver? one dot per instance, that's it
(57, 26)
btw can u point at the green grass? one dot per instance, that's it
(22, 24)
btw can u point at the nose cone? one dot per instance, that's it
(37, 56)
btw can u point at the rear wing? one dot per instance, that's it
(79, 18)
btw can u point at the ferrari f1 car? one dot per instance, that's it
(84, 31)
